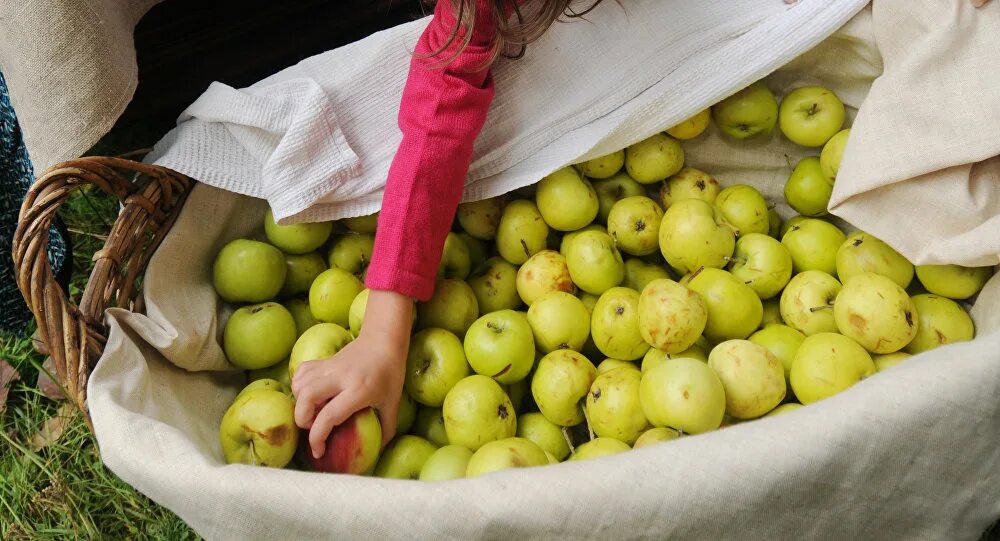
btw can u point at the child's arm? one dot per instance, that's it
(442, 112)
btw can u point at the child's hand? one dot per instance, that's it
(367, 372)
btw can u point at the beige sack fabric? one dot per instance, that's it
(910, 453)
(70, 68)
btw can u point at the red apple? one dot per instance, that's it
(352, 447)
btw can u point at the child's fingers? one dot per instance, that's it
(387, 414)
(333, 414)
(980, 3)
(311, 398)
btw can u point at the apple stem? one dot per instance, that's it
(569, 441)
(824, 307)
(738, 260)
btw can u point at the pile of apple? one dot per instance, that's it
(624, 301)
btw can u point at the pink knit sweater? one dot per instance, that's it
(442, 112)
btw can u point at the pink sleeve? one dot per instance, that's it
(442, 112)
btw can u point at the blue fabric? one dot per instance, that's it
(16, 176)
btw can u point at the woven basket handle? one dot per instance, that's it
(76, 335)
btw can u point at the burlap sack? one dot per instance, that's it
(70, 66)
(909, 453)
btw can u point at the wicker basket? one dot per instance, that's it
(75, 336)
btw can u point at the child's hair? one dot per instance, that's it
(531, 18)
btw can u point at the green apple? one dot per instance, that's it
(942, 321)
(356, 315)
(784, 408)
(595, 265)
(772, 313)
(265, 383)
(810, 116)
(827, 363)
(744, 209)
(302, 271)
(479, 252)
(807, 302)
(429, 424)
(692, 127)
(752, 376)
(808, 189)
(299, 308)
(543, 273)
(447, 463)
(634, 223)
(750, 112)
(517, 392)
(876, 313)
(352, 252)
(319, 342)
(259, 336)
(362, 224)
(862, 253)
(559, 321)
(505, 454)
(613, 408)
(692, 236)
(613, 190)
(762, 263)
(501, 345)
(560, 383)
(833, 153)
(478, 411)
(522, 232)
(331, 295)
(296, 238)
(435, 363)
(608, 365)
(404, 457)
(599, 447)
(782, 341)
(544, 433)
(654, 436)
(406, 414)
(813, 244)
(495, 286)
(655, 357)
(790, 223)
(604, 166)
(352, 447)
(278, 372)
(480, 219)
(568, 238)
(774, 224)
(566, 200)
(456, 262)
(259, 429)
(888, 360)
(685, 394)
(453, 307)
(953, 281)
(689, 183)
(734, 309)
(248, 271)
(654, 159)
(615, 324)
(671, 316)
(639, 273)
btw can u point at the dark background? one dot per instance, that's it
(184, 45)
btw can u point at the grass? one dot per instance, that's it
(63, 491)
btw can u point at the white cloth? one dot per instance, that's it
(911, 453)
(316, 140)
